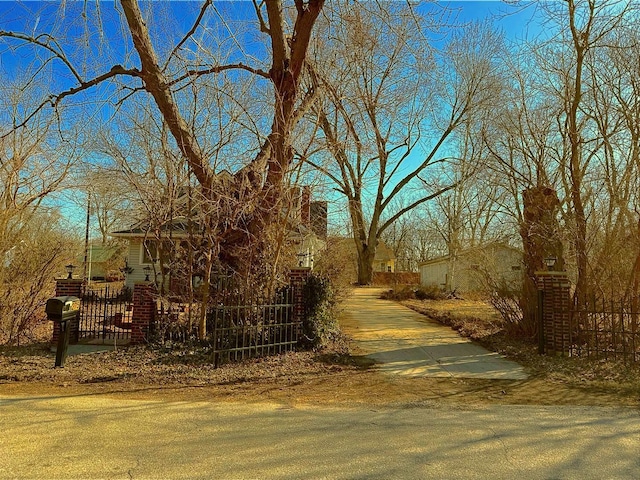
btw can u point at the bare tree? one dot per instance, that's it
(524, 155)
(34, 161)
(287, 38)
(584, 28)
(388, 113)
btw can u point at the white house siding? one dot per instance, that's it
(434, 274)
(133, 261)
(502, 263)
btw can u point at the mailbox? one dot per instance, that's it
(62, 310)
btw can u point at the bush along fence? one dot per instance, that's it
(598, 328)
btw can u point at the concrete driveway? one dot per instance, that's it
(407, 343)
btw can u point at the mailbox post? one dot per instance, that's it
(62, 310)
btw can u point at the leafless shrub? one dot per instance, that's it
(27, 279)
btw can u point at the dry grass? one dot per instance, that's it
(479, 321)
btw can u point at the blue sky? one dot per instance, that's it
(516, 22)
(107, 42)
(39, 17)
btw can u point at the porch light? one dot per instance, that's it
(147, 272)
(550, 262)
(126, 270)
(69, 268)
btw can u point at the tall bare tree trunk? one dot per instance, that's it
(366, 255)
(288, 57)
(539, 232)
(581, 44)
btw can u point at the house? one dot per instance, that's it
(148, 253)
(385, 259)
(145, 249)
(472, 269)
(104, 262)
(342, 252)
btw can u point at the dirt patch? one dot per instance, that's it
(471, 318)
(334, 376)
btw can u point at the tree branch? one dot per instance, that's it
(54, 100)
(193, 29)
(413, 205)
(35, 40)
(217, 69)
(263, 24)
(156, 84)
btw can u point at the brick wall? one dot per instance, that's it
(556, 312)
(297, 279)
(144, 306)
(68, 287)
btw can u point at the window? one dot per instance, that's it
(389, 268)
(152, 250)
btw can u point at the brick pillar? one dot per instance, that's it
(556, 312)
(297, 279)
(68, 287)
(144, 307)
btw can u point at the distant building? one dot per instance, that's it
(104, 262)
(469, 269)
(342, 251)
(385, 259)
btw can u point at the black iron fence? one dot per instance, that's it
(238, 325)
(258, 329)
(607, 329)
(105, 315)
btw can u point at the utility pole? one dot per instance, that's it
(86, 239)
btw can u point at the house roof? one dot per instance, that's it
(384, 253)
(100, 253)
(469, 251)
(178, 228)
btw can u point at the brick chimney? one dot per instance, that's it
(305, 207)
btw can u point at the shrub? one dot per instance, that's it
(410, 292)
(431, 292)
(507, 300)
(27, 273)
(403, 292)
(319, 326)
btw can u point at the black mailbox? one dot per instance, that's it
(62, 310)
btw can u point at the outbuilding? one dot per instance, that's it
(474, 269)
